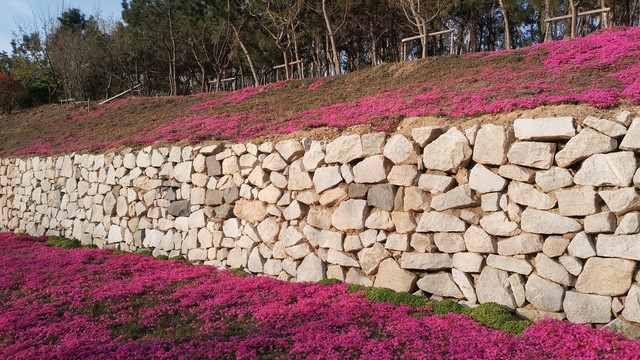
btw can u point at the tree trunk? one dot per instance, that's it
(574, 18)
(247, 55)
(507, 31)
(336, 62)
(547, 25)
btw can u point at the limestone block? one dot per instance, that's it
(344, 149)
(332, 197)
(581, 246)
(256, 262)
(330, 240)
(477, 240)
(554, 178)
(440, 284)
(607, 127)
(197, 219)
(433, 221)
(320, 218)
(468, 262)
(214, 168)
(449, 152)
(492, 144)
(621, 201)
(527, 195)
(577, 202)
(555, 246)
(312, 268)
(493, 286)
(272, 267)
(509, 264)
(382, 196)
(372, 144)
(403, 175)
(116, 234)
(449, 243)
(399, 149)
(270, 194)
(314, 157)
(619, 246)
(182, 171)
(299, 178)
(458, 197)
(552, 270)
(426, 134)
(602, 222)
(371, 170)
(631, 140)
(404, 222)
(350, 215)
(435, 184)
(631, 310)
(422, 243)
(630, 224)
(587, 308)
(583, 145)
(522, 244)
(542, 222)
(498, 224)
(427, 261)
(237, 258)
(605, 276)
(465, 283)
(299, 251)
(352, 243)
(613, 169)
(572, 264)
(391, 276)
(544, 294)
(559, 128)
(484, 180)
(398, 242)
(339, 258)
(535, 315)
(370, 258)
(290, 149)
(326, 177)
(532, 154)
(250, 210)
(515, 172)
(258, 177)
(517, 283)
(274, 162)
(295, 210)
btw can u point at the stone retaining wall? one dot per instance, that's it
(541, 216)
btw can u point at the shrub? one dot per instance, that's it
(329, 281)
(10, 93)
(162, 257)
(447, 306)
(90, 246)
(63, 243)
(145, 252)
(379, 294)
(498, 317)
(238, 271)
(37, 94)
(177, 257)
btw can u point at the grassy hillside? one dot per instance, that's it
(601, 70)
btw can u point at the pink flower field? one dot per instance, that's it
(601, 70)
(93, 304)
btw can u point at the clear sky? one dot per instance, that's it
(28, 13)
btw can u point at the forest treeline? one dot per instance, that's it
(174, 47)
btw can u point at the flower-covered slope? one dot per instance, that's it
(91, 304)
(601, 69)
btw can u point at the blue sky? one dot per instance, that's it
(27, 14)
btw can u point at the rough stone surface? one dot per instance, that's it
(399, 149)
(449, 152)
(290, 149)
(492, 144)
(326, 177)
(544, 294)
(560, 128)
(433, 221)
(403, 175)
(436, 261)
(484, 180)
(621, 201)
(449, 243)
(424, 135)
(252, 211)
(604, 276)
(440, 284)
(620, 326)
(370, 258)
(339, 258)
(602, 222)
(478, 241)
(587, 308)
(372, 144)
(350, 215)
(391, 276)
(631, 310)
(299, 178)
(553, 179)
(517, 283)
(572, 264)
(344, 149)
(458, 197)
(493, 286)
(465, 283)
(613, 169)
(532, 154)
(581, 246)
(552, 270)
(312, 268)
(515, 172)
(630, 224)
(577, 202)
(435, 184)
(631, 140)
(382, 196)
(607, 127)
(509, 264)
(542, 222)
(583, 145)
(527, 195)
(468, 262)
(555, 246)
(498, 224)
(521, 244)
(619, 246)
(372, 170)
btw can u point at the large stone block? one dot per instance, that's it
(371, 170)
(532, 154)
(403, 175)
(619, 246)
(435, 184)
(613, 169)
(527, 195)
(435, 261)
(382, 196)
(290, 149)
(459, 197)
(509, 264)
(631, 310)
(551, 270)
(449, 152)
(602, 222)
(370, 258)
(312, 268)
(544, 294)
(252, 211)
(433, 221)
(493, 286)
(484, 180)
(343, 149)
(542, 222)
(607, 127)
(498, 224)
(631, 140)
(350, 215)
(391, 276)
(621, 201)
(326, 177)
(492, 144)
(521, 244)
(605, 276)
(583, 145)
(424, 135)
(468, 262)
(554, 178)
(479, 241)
(577, 202)
(440, 284)
(399, 149)
(560, 128)
(581, 246)
(466, 284)
(587, 308)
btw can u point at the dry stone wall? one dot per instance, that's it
(541, 216)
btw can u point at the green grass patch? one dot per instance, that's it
(63, 242)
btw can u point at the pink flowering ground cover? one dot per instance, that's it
(93, 304)
(601, 70)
